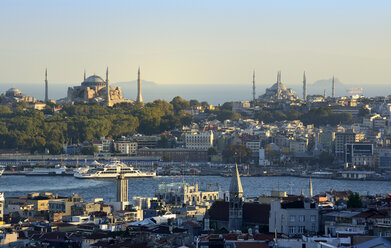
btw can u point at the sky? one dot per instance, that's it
(195, 42)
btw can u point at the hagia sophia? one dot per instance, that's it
(92, 89)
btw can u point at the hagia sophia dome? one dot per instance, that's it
(93, 81)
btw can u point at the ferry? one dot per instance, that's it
(58, 171)
(113, 170)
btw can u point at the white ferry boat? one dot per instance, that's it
(58, 171)
(113, 170)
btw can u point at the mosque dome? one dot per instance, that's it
(13, 92)
(93, 80)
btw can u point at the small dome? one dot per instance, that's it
(93, 80)
(13, 92)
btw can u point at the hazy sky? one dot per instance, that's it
(192, 42)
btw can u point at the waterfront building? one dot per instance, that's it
(144, 141)
(359, 154)
(294, 218)
(200, 141)
(254, 146)
(175, 154)
(326, 140)
(183, 193)
(39, 200)
(383, 155)
(298, 146)
(125, 147)
(343, 138)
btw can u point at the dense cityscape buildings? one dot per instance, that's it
(278, 134)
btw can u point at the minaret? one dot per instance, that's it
(108, 98)
(139, 97)
(279, 85)
(310, 188)
(304, 88)
(333, 88)
(46, 86)
(254, 90)
(235, 202)
(122, 188)
(324, 93)
(84, 75)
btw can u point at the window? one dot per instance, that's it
(313, 218)
(300, 229)
(292, 218)
(313, 228)
(292, 230)
(301, 218)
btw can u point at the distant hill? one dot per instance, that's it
(134, 82)
(325, 83)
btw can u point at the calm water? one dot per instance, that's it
(252, 186)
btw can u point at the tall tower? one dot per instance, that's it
(254, 90)
(333, 88)
(304, 87)
(84, 75)
(235, 202)
(108, 98)
(310, 188)
(46, 86)
(139, 98)
(122, 188)
(279, 85)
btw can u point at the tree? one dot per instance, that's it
(179, 104)
(236, 154)
(194, 103)
(264, 116)
(354, 201)
(227, 106)
(225, 114)
(326, 158)
(212, 151)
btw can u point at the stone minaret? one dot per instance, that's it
(235, 202)
(84, 75)
(139, 97)
(122, 188)
(108, 98)
(310, 188)
(254, 90)
(304, 87)
(46, 86)
(279, 85)
(333, 88)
